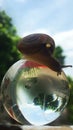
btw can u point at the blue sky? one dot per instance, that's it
(53, 17)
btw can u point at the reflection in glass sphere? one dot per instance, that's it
(34, 92)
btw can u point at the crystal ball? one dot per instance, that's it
(34, 92)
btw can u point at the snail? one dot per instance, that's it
(39, 48)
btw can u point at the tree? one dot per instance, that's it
(58, 53)
(70, 103)
(8, 42)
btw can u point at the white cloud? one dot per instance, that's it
(42, 30)
(65, 40)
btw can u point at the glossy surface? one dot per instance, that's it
(34, 92)
(39, 48)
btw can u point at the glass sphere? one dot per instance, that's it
(34, 92)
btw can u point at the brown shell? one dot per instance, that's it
(36, 42)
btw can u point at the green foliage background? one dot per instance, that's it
(70, 103)
(8, 43)
(9, 54)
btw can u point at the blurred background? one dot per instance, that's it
(19, 18)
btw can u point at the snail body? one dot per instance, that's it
(39, 48)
